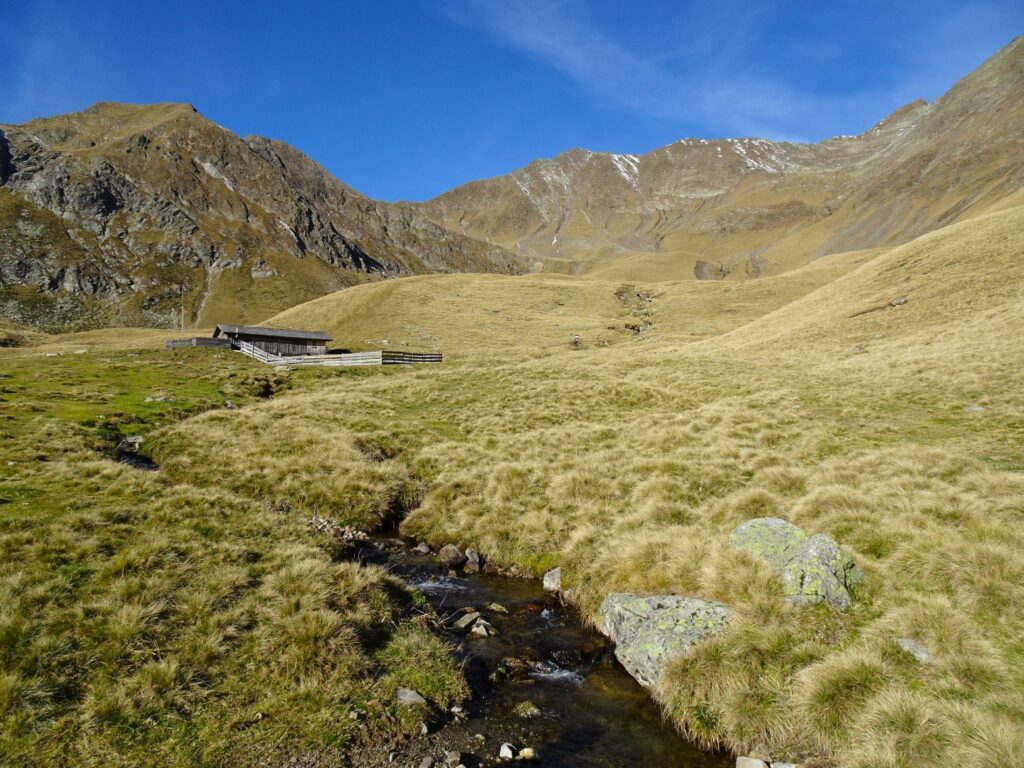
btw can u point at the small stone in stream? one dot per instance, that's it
(498, 608)
(424, 729)
(527, 709)
(784, 765)
(466, 620)
(451, 556)
(483, 629)
(472, 561)
(452, 758)
(409, 697)
(553, 580)
(427, 762)
(750, 762)
(899, 301)
(527, 753)
(496, 676)
(423, 548)
(458, 711)
(507, 752)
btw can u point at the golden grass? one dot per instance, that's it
(148, 621)
(629, 464)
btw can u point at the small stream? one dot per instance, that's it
(591, 712)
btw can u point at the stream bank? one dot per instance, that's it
(539, 680)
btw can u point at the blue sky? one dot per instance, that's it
(403, 99)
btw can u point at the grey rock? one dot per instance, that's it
(784, 765)
(974, 409)
(427, 762)
(409, 697)
(452, 758)
(451, 556)
(814, 569)
(423, 548)
(527, 753)
(553, 580)
(483, 628)
(916, 649)
(899, 301)
(820, 571)
(773, 539)
(472, 561)
(750, 762)
(649, 631)
(466, 620)
(507, 752)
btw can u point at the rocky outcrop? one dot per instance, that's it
(123, 213)
(650, 631)
(814, 569)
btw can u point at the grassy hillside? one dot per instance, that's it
(895, 429)
(473, 315)
(146, 620)
(893, 426)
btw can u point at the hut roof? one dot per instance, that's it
(281, 333)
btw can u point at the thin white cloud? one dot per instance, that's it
(709, 78)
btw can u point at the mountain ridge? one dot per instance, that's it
(128, 214)
(138, 214)
(699, 199)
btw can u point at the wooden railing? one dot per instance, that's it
(381, 357)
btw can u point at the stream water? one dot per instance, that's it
(592, 713)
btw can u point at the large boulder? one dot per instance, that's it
(773, 539)
(649, 631)
(820, 571)
(814, 569)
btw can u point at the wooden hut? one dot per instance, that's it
(276, 341)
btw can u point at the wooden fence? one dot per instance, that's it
(382, 357)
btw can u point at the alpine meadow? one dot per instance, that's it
(717, 457)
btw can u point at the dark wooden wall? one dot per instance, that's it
(279, 346)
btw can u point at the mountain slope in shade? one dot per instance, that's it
(749, 207)
(133, 214)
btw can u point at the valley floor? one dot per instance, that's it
(191, 615)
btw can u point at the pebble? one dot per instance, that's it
(452, 758)
(498, 608)
(427, 762)
(527, 753)
(507, 752)
(409, 697)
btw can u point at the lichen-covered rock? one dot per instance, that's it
(649, 631)
(820, 571)
(814, 569)
(773, 539)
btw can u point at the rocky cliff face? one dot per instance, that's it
(748, 207)
(128, 214)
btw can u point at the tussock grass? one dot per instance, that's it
(628, 465)
(156, 621)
